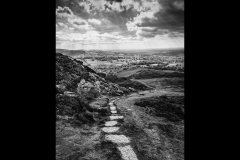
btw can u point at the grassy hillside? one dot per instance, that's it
(169, 128)
(81, 100)
(139, 73)
(129, 72)
(127, 83)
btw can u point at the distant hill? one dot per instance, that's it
(170, 53)
(129, 72)
(139, 73)
(70, 73)
(77, 86)
(72, 53)
(162, 52)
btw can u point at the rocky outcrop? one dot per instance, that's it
(100, 85)
(73, 76)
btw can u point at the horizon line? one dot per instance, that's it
(119, 49)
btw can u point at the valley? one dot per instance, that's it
(113, 105)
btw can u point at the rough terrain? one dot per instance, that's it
(100, 120)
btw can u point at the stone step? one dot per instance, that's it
(117, 138)
(115, 114)
(127, 153)
(110, 129)
(113, 108)
(110, 123)
(113, 111)
(115, 117)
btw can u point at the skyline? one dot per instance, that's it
(123, 25)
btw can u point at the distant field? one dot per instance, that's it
(156, 79)
(140, 73)
(129, 72)
(175, 66)
(97, 62)
(172, 84)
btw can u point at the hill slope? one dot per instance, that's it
(77, 86)
(72, 53)
(73, 76)
(81, 104)
(139, 73)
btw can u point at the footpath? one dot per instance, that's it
(112, 133)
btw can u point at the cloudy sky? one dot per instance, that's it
(116, 24)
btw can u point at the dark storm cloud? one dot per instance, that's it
(152, 32)
(63, 3)
(116, 17)
(153, 17)
(79, 23)
(111, 1)
(74, 6)
(149, 29)
(171, 17)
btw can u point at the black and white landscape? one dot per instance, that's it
(120, 80)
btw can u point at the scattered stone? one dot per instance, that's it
(110, 123)
(116, 117)
(110, 129)
(117, 138)
(127, 153)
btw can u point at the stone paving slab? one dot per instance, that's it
(126, 150)
(110, 129)
(127, 153)
(113, 111)
(113, 108)
(115, 117)
(117, 138)
(110, 123)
